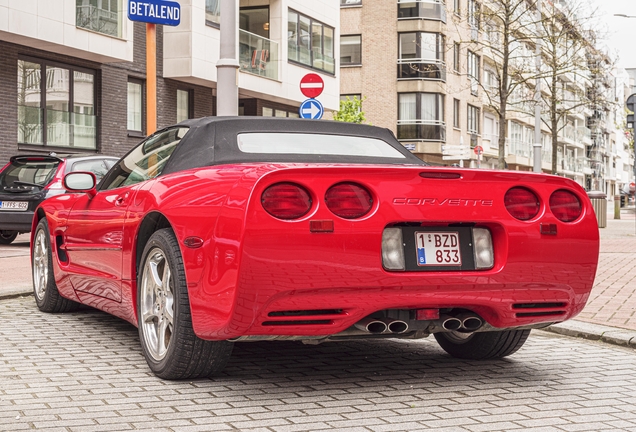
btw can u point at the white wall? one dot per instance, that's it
(191, 52)
(50, 25)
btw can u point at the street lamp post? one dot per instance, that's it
(633, 123)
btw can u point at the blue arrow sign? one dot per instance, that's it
(311, 109)
(155, 12)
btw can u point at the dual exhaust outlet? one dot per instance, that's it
(382, 325)
(463, 322)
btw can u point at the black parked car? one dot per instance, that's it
(28, 180)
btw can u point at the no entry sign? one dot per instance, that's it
(311, 85)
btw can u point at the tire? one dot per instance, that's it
(7, 237)
(482, 345)
(47, 296)
(169, 344)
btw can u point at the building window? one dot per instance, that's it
(491, 82)
(431, 10)
(351, 97)
(473, 14)
(59, 110)
(350, 2)
(421, 56)
(473, 120)
(184, 105)
(456, 56)
(271, 112)
(213, 12)
(103, 16)
(310, 42)
(473, 65)
(421, 117)
(491, 130)
(350, 50)
(456, 7)
(135, 106)
(473, 72)
(456, 123)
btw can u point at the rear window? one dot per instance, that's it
(316, 144)
(23, 175)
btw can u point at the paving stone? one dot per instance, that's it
(49, 381)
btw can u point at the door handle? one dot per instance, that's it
(121, 199)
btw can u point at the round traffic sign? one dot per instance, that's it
(312, 85)
(478, 150)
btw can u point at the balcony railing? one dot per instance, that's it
(99, 20)
(519, 148)
(421, 130)
(584, 135)
(258, 55)
(422, 9)
(422, 69)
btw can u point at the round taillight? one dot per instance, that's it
(565, 206)
(348, 200)
(286, 201)
(521, 203)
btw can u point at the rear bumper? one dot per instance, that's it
(16, 221)
(321, 311)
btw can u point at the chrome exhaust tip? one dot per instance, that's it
(472, 323)
(371, 325)
(452, 324)
(397, 326)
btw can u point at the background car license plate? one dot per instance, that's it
(14, 205)
(437, 248)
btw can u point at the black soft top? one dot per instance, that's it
(213, 141)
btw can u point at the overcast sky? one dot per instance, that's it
(621, 32)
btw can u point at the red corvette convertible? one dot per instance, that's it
(222, 230)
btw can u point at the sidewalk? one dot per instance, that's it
(610, 313)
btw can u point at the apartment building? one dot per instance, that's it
(424, 70)
(73, 73)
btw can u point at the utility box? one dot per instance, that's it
(599, 202)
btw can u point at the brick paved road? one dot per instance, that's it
(84, 372)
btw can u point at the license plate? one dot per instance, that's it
(14, 205)
(438, 248)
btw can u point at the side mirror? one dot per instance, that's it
(81, 181)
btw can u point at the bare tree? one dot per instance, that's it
(507, 30)
(569, 61)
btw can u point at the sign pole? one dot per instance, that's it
(151, 78)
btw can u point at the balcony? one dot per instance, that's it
(519, 148)
(99, 20)
(584, 135)
(429, 69)
(421, 130)
(422, 9)
(258, 55)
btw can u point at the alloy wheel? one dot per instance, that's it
(157, 304)
(40, 264)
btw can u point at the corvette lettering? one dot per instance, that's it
(451, 202)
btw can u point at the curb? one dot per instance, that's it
(11, 294)
(595, 332)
